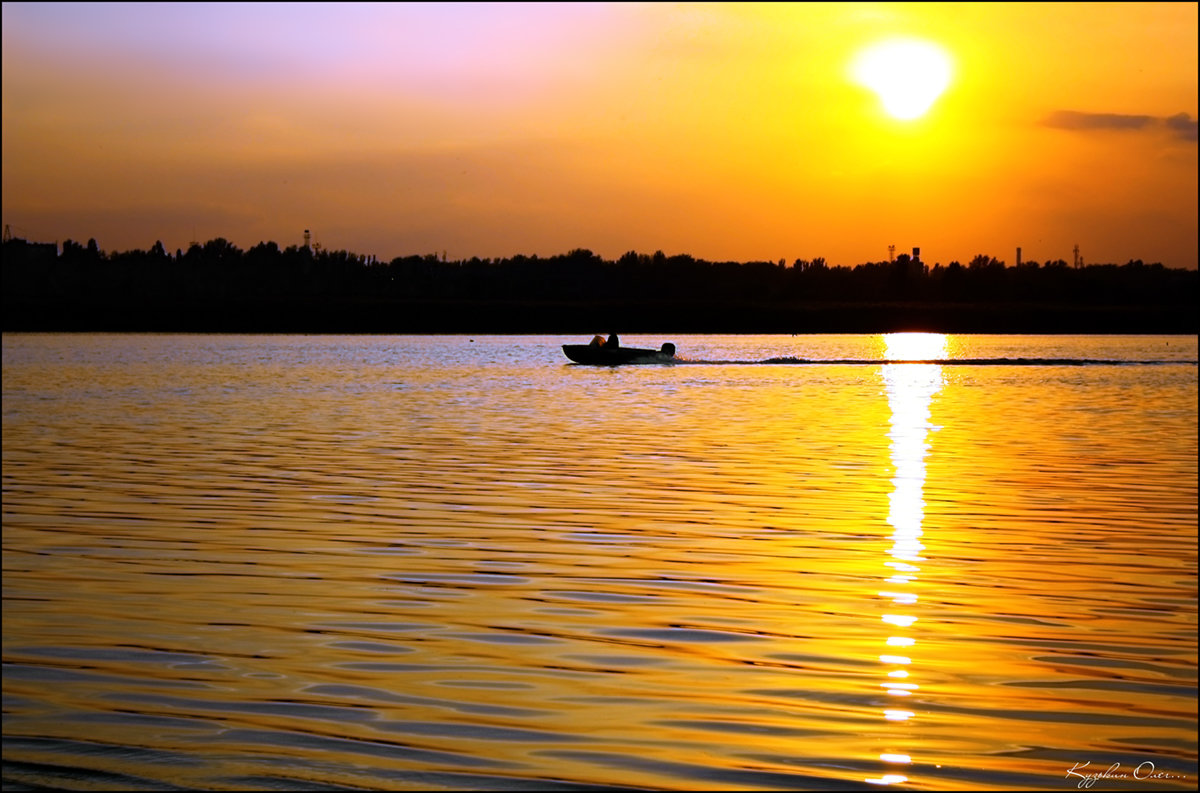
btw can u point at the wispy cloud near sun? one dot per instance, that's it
(1180, 125)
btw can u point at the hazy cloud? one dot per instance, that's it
(1071, 119)
(1181, 124)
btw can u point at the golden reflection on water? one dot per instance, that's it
(910, 390)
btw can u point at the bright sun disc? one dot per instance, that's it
(907, 75)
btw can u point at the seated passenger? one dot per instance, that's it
(596, 341)
(613, 342)
(668, 349)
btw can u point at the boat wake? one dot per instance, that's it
(792, 361)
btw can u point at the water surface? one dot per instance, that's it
(287, 562)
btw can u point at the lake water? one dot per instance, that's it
(312, 562)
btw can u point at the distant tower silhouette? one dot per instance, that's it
(1018, 255)
(1078, 260)
(916, 254)
(891, 253)
(307, 238)
(7, 233)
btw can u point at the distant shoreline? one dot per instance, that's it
(351, 316)
(219, 288)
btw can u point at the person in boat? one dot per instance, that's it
(596, 341)
(613, 342)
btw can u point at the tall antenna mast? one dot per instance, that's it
(891, 254)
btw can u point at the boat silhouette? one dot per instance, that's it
(605, 355)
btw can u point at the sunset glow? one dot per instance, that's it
(727, 131)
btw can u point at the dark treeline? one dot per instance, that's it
(220, 287)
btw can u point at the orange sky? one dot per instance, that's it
(727, 131)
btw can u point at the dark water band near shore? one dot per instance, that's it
(350, 315)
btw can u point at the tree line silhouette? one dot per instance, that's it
(220, 287)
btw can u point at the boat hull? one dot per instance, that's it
(613, 356)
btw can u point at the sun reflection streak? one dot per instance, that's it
(910, 390)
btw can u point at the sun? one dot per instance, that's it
(907, 74)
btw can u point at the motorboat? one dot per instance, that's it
(599, 354)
